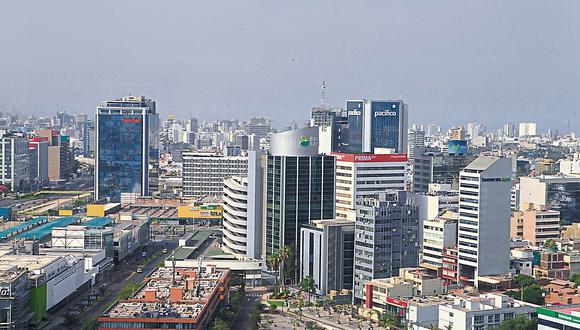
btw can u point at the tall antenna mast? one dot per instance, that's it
(323, 94)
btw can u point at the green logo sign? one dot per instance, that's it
(305, 141)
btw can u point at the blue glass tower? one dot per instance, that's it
(124, 129)
(369, 124)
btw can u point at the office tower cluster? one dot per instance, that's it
(374, 212)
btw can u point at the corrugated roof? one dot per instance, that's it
(98, 222)
(45, 230)
(21, 226)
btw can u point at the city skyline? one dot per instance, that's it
(500, 58)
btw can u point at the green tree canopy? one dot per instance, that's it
(522, 280)
(575, 278)
(520, 322)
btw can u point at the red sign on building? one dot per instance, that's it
(370, 158)
(131, 120)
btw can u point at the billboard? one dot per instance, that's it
(457, 147)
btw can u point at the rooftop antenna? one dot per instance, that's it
(323, 94)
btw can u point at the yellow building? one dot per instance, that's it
(210, 211)
(101, 210)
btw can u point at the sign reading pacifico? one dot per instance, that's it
(385, 113)
(354, 113)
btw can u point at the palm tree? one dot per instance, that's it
(273, 262)
(285, 253)
(308, 285)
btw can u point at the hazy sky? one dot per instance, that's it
(452, 61)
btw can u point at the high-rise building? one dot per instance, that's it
(14, 161)
(457, 133)
(369, 124)
(527, 129)
(484, 217)
(366, 175)
(204, 173)
(323, 117)
(242, 202)
(235, 222)
(386, 238)
(299, 189)
(126, 145)
(193, 125)
(38, 148)
(509, 130)
(326, 254)
(416, 140)
(60, 154)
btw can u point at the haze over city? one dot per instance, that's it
(474, 59)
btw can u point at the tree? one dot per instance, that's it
(220, 325)
(551, 245)
(576, 278)
(522, 280)
(273, 262)
(520, 322)
(533, 294)
(70, 321)
(308, 285)
(285, 253)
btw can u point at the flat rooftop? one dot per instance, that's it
(166, 293)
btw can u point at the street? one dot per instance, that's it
(119, 278)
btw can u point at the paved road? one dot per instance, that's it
(119, 280)
(252, 296)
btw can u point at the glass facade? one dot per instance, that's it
(367, 124)
(385, 125)
(122, 165)
(298, 190)
(350, 137)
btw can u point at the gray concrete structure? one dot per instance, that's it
(386, 238)
(484, 218)
(326, 254)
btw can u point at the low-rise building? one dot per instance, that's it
(481, 312)
(560, 292)
(171, 298)
(552, 265)
(386, 294)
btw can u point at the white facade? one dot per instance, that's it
(204, 174)
(479, 313)
(14, 161)
(366, 175)
(235, 222)
(527, 129)
(438, 234)
(484, 218)
(571, 166)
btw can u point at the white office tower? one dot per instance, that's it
(235, 214)
(242, 202)
(484, 218)
(527, 129)
(366, 175)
